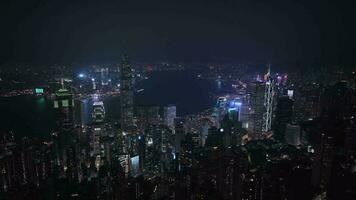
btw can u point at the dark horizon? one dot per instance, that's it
(180, 99)
(289, 31)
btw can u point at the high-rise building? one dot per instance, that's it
(257, 91)
(268, 101)
(98, 131)
(307, 102)
(283, 116)
(104, 76)
(244, 114)
(204, 130)
(147, 114)
(126, 93)
(335, 123)
(292, 134)
(80, 117)
(64, 106)
(169, 114)
(98, 114)
(323, 161)
(261, 101)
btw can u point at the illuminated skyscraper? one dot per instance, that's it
(268, 101)
(64, 105)
(104, 74)
(169, 115)
(257, 90)
(98, 149)
(126, 93)
(261, 101)
(98, 112)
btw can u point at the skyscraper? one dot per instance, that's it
(268, 101)
(257, 90)
(98, 114)
(292, 134)
(104, 76)
(126, 93)
(64, 106)
(169, 114)
(261, 100)
(283, 116)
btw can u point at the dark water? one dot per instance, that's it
(183, 89)
(26, 116)
(34, 116)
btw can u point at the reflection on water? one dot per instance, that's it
(41, 104)
(35, 116)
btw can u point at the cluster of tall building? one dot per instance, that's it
(273, 139)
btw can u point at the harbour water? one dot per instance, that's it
(34, 116)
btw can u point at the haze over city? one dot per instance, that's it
(224, 31)
(203, 99)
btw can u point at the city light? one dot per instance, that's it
(234, 103)
(39, 91)
(246, 101)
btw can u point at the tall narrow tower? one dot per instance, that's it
(268, 101)
(257, 90)
(126, 93)
(64, 106)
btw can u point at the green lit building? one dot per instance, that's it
(64, 106)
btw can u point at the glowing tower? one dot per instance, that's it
(268, 101)
(126, 93)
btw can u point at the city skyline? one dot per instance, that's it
(205, 99)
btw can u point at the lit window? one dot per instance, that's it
(55, 104)
(65, 103)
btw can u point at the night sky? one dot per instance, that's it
(284, 31)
